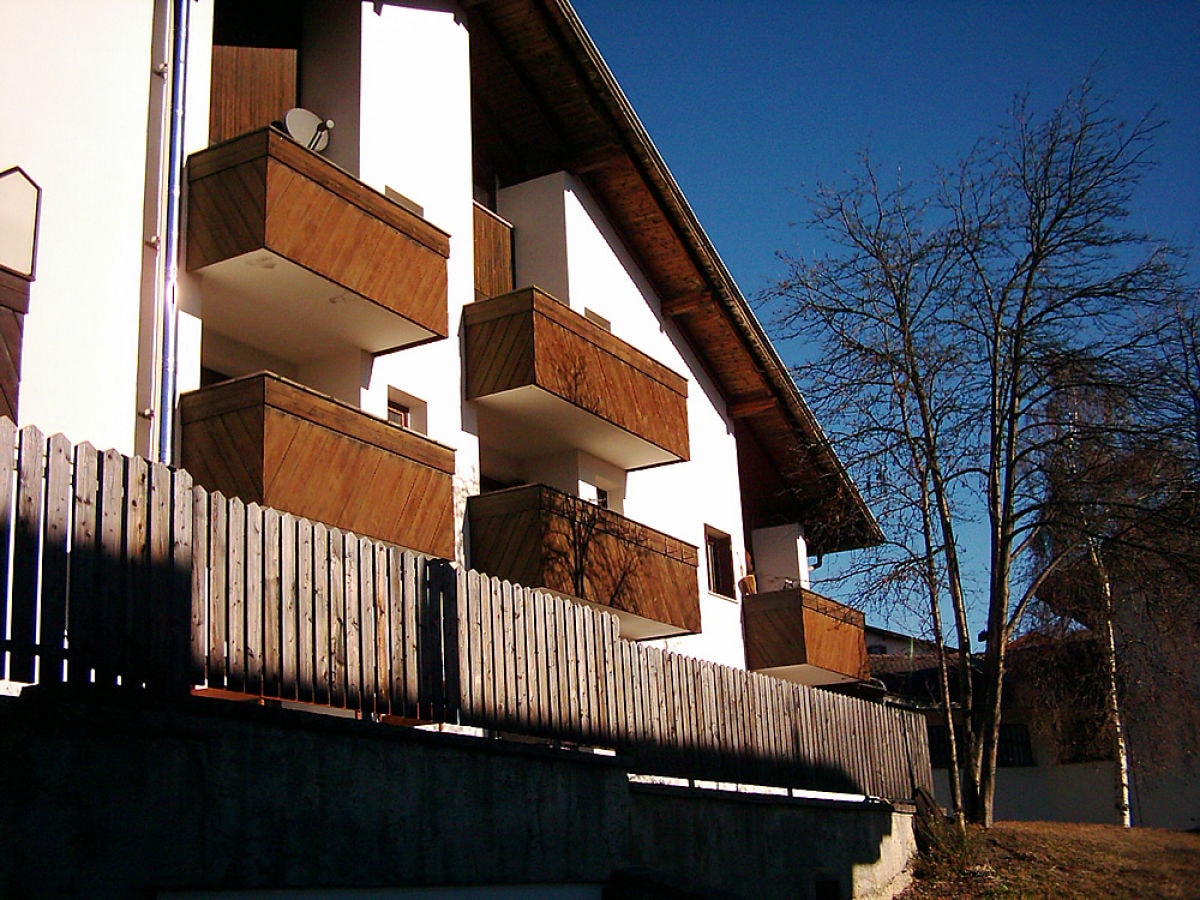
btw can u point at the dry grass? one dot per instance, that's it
(1051, 859)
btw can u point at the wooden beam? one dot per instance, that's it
(743, 409)
(595, 158)
(685, 303)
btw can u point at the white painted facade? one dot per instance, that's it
(77, 90)
(86, 116)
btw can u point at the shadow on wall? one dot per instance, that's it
(108, 793)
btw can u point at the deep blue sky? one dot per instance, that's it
(753, 102)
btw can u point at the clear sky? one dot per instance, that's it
(753, 102)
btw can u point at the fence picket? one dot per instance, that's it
(305, 615)
(182, 541)
(353, 622)
(337, 619)
(30, 478)
(289, 646)
(322, 612)
(56, 528)
(237, 578)
(158, 626)
(82, 612)
(8, 443)
(199, 586)
(253, 652)
(271, 604)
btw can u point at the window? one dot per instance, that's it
(719, 556)
(407, 411)
(399, 413)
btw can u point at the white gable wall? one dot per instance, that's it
(574, 246)
(76, 77)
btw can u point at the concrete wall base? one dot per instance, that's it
(110, 794)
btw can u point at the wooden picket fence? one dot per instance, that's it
(120, 571)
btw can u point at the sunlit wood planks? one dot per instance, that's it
(263, 191)
(798, 627)
(273, 442)
(528, 338)
(540, 537)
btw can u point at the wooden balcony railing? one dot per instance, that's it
(270, 441)
(548, 371)
(539, 537)
(162, 586)
(290, 244)
(802, 636)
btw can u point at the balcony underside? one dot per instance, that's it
(270, 441)
(545, 378)
(538, 537)
(800, 636)
(302, 260)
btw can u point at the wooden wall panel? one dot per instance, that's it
(12, 328)
(251, 87)
(540, 537)
(799, 627)
(528, 337)
(493, 254)
(14, 304)
(265, 191)
(269, 441)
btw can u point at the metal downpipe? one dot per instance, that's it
(170, 307)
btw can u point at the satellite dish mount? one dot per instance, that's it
(305, 127)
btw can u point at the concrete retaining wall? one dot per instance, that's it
(111, 796)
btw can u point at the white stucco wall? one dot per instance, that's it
(76, 77)
(415, 137)
(575, 254)
(780, 557)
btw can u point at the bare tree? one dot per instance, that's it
(940, 330)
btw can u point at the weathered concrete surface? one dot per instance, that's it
(754, 845)
(113, 795)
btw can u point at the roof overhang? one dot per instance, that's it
(544, 101)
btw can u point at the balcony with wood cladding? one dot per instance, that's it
(547, 379)
(300, 259)
(270, 441)
(800, 636)
(539, 537)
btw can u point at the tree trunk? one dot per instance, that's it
(1112, 698)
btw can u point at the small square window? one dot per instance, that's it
(399, 414)
(406, 411)
(719, 556)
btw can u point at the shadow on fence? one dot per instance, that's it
(119, 571)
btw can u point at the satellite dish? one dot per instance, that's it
(307, 128)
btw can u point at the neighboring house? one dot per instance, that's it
(482, 322)
(1055, 757)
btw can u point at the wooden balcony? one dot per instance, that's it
(301, 259)
(539, 537)
(548, 379)
(803, 637)
(273, 442)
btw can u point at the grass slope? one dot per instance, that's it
(1053, 859)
